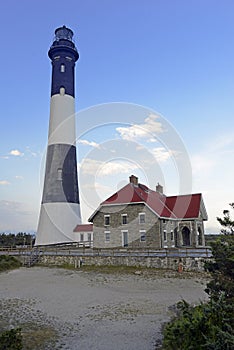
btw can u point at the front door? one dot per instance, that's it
(125, 238)
(186, 236)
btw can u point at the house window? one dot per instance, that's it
(106, 220)
(89, 237)
(81, 237)
(172, 235)
(125, 238)
(59, 174)
(124, 219)
(141, 218)
(165, 235)
(142, 236)
(164, 221)
(62, 68)
(107, 236)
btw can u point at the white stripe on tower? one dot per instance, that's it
(60, 207)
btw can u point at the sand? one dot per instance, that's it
(85, 310)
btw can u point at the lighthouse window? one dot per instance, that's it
(62, 90)
(62, 68)
(60, 174)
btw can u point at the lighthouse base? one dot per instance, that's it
(57, 222)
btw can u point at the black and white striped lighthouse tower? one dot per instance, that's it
(60, 207)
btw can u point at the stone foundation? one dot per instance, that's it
(184, 264)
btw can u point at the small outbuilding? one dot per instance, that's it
(83, 235)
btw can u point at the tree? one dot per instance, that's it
(209, 325)
(226, 222)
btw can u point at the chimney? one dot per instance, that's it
(159, 188)
(133, 180)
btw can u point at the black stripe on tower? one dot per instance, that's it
(63, 55)
(61, 184)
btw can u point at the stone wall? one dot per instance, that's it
(134, 228)
(172, 263)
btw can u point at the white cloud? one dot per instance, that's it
(16, 153)
(142, 131)
(33, 154)
(4, 157)
(4, 183)
(100, 168)
(19, 177)
(161, 154)
(88, 143)
(111, 168)
(89, 166)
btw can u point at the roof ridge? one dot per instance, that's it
(183, 195)
(164, 203)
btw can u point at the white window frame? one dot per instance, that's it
(124, 231)
(81, 237)
(105, 217)
(139, 215)
(142, 232)
(107, 233)
(89, 236)
(124, 216)
(165, 235)
(62, 68)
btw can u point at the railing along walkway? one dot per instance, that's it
(183, 252)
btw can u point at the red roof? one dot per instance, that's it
(177, 207)
(84, 228)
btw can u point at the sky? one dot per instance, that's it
(154, 97)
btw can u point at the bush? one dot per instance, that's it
(8, 263)
(206, 326)
(209, 325)
(11, 340)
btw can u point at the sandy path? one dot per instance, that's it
(92, 310)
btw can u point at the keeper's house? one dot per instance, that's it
(138, 217)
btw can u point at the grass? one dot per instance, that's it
(38, 337)
(8, 263)
(144, 271)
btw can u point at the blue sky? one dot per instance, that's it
(174, 57)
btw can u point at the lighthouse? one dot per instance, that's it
(60, 205)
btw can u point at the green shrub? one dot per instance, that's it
(210, 325)
(8, 262)
(206, 326)
(11, 340)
